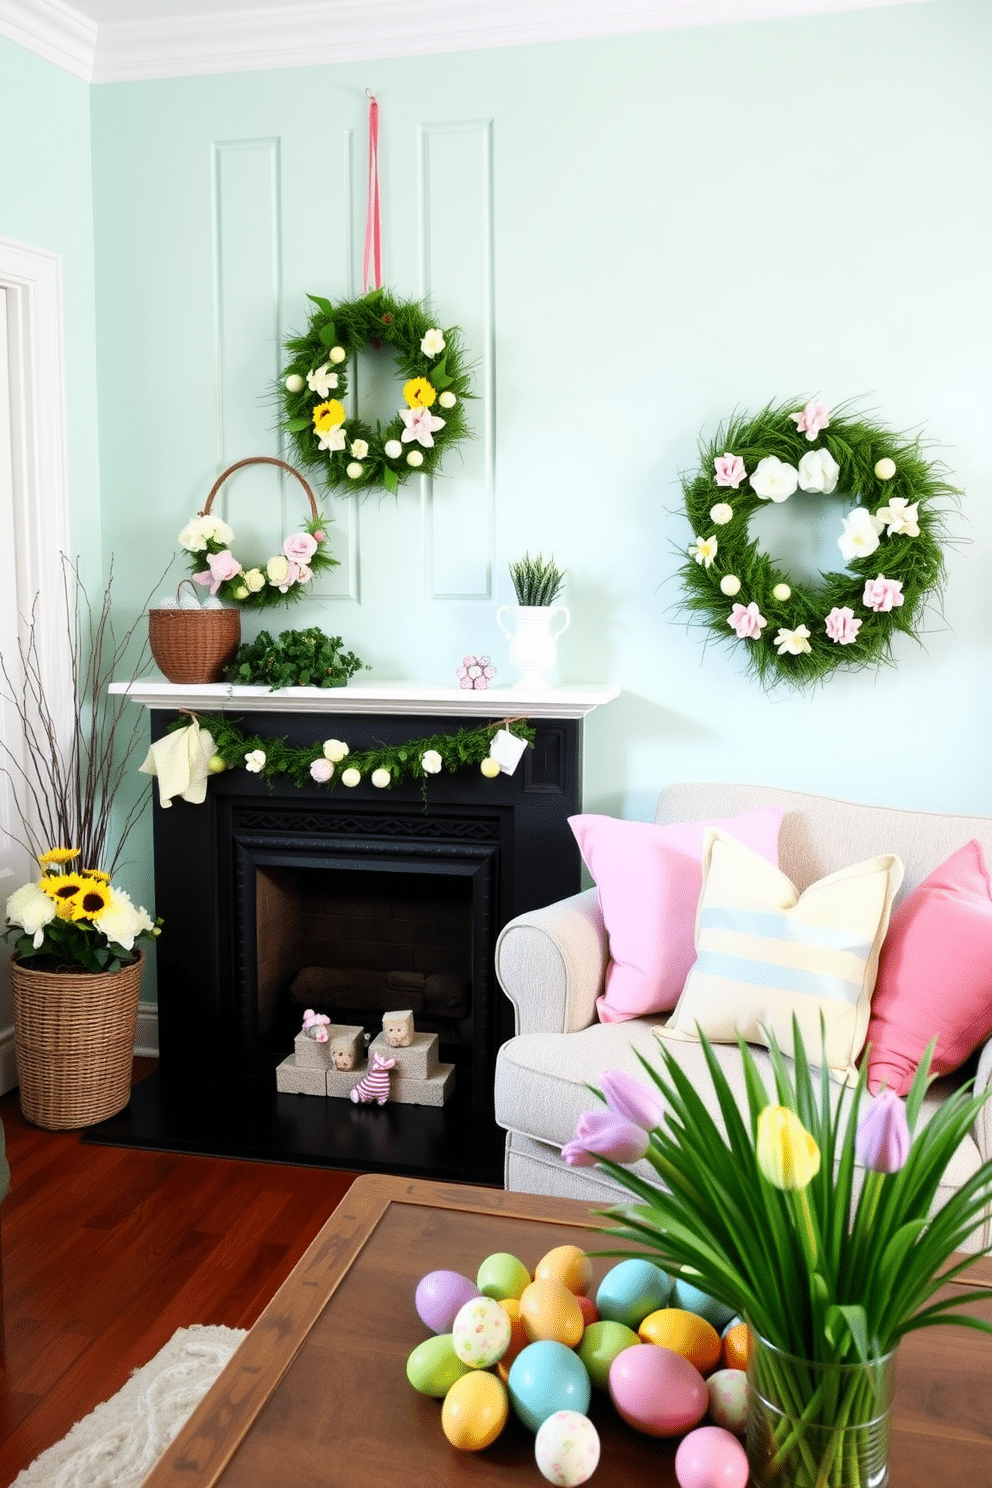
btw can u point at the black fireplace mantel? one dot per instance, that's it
(510, 835)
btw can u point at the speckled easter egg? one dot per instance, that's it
(601, 1342)
(438, 1297)
(657, 1391)
(711, 1458)
(480, 1333)
(632, 1289)
(502, 1275)
(566, 1448)
(475, 1411)
(692, 1299)
(434, 1366)
(567, 1264)
(727, 1389)
(686, 1332)
(547, 1377)
(549, 1310)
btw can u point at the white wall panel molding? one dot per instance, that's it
(217, 38)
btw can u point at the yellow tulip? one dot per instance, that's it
(787, 1155)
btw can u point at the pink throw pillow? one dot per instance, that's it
(934, 974)
(649, 879)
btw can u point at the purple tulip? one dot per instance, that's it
(632, 1099)
(576, 1156)
(883, 1139)
(608, 1135)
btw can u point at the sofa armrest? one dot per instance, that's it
(551, 964)
(982, 1129)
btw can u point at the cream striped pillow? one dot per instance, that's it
(765, 952)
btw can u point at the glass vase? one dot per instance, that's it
(816, 1425)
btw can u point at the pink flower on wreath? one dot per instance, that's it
(882, 594)
(842, 626)
(747, 621)
(729, 470)
(321, 770)
(222, 566)
(421, 425)
(811, 419)
(300, 548)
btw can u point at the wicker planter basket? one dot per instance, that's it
(74, 1038)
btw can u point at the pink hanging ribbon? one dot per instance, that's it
(373, 229)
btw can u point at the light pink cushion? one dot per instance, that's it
(648, 879)
(934, 974)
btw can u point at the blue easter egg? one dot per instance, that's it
(691, 1299)
(632, 1289)
(546, 1377)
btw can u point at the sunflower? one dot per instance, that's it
(94, 896)
(65, 890)
(58, 855)
(98, 874)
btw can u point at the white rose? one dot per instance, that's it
(431, 762)
(432, 344)
(121, 922)
(359, 448)
(819, 471)
(254, 580)
(335, 750)
(860, 535)
(774, 480)
(277, 570)
(31, 910)
(193, 538)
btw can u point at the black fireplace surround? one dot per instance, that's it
(498, 847)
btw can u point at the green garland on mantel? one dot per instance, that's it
(332, 761)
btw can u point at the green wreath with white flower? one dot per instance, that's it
(890, 540)
(350, 453)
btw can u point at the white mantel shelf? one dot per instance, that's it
(371, 697)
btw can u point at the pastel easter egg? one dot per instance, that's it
(475, 1411)
(693, 1299)
(549, 1310)
(502, 1275)
(438, 1297)
(711, 1458)
(657, 1391)
(434, 1366)
(547, 1377)
(686, 1332)
(727, 1389)
(632, 1289)
(589, 1310)
(601, 1342)
(737, 1346)
(568, 1264)
(566, 1448)
(480, 1333)
(518, 1336)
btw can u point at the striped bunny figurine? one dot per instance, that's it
(374, 1085)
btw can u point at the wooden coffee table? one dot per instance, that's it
(317, 1393)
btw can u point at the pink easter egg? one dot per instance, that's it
(711, 1458)
(439, 1297)
(656, 1390)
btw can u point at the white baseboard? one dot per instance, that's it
(145, 1043)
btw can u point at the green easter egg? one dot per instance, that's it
(434, 1366)
(501, 1275)
(601, 1342)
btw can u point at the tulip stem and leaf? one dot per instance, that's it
(761, 1210)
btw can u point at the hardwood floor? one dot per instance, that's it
(107, 1251)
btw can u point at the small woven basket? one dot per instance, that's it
(74, 1038)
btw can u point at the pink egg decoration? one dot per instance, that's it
(656, 1390)
(711, 1458)
(439, 1297)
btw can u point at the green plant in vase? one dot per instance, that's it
(536, 581)
(763, 1214)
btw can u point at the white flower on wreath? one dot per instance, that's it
(277, 570)
(321, 380)
(335, 750)
(774, 480)
(254, 580)
(203, 530)
(31, 910)
(431, 762)
(359, 448)
(860, 535)
(900, 518)
(331, 439)
(819, 471)
(255, 761)
(793, 642)
(432, 344)
(704, 550)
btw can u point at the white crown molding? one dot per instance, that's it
(312, 34)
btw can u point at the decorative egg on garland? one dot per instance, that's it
(351, 453)
(890, 541)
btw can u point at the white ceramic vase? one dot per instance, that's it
(533, 640)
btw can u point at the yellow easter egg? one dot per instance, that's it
(475, 1411)
(737, 1346)
(549, 1310)
(518, 1336)
(567, 1264)
(685, 1333)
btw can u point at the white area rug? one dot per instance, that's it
(118, 1444)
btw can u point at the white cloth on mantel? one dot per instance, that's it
(181, 760)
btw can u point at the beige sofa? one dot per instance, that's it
(551, 964)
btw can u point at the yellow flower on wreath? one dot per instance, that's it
(419, 393)
(58, 855)
(64, 890)
(328, 415)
